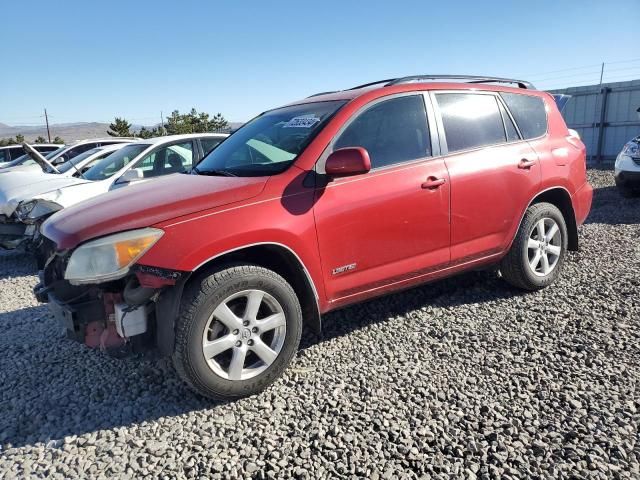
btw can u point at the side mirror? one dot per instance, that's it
(131, 175)
(348, 161)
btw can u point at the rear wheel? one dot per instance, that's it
(239, 329)
(539, 249)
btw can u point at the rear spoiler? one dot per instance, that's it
(561, 100)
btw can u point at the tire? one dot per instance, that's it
(211, 308)
(516, 267)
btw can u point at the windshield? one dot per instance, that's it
(270, 143)
(115, 162)
(69, 164)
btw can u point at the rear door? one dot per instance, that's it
(494, 172)
(385, 226)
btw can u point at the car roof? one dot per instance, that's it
(113, 146)
(103, 139)
(172, 138)
(423, 83)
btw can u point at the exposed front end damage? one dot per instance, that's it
(15, 234)
(133, 314)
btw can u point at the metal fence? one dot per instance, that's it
(606, 116)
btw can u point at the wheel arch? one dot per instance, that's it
(282, 260)
(559, 197)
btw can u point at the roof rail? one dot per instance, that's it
(323, 93)
(464, 78)
(372, 83)
(416, 78)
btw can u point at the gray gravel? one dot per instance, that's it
(465, 378)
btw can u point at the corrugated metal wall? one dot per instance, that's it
(604, 132)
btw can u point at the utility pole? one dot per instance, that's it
(161, 123)
(46, 119)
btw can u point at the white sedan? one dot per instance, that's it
(24, 208)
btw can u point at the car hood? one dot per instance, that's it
(146, 204)
(18, 186)
(31, 167)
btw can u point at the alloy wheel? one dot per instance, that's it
(544, 247)
(244, 335)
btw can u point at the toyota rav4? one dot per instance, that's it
(328, 201)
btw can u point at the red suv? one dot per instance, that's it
(322, 203)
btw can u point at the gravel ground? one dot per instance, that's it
(464, 378)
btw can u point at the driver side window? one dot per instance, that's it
(392, 131)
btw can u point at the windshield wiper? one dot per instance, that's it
(218, 173)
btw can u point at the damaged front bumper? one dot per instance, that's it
(131, 315)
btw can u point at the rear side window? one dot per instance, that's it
(208, 144)
(392, 131)
(470, 120)
(528, 112)
(17, 152)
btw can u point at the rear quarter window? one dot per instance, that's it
(529, 113)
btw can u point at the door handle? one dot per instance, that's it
(432, 183)
(526, 163)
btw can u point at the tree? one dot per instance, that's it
(119, 128)
(219, 123)
(194, 122)
(41, 139)
(58, 141)
(12, 141)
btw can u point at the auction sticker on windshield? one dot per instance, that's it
(303, 121)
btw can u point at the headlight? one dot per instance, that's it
(29, 212)
(109, 258)
(24, 208)
(632, 149)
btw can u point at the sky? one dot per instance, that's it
(93, 61)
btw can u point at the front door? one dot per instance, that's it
(391, 224)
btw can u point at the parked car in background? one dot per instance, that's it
(12, 153)
(313, 206)
(61, 155)
(627, 169)
(22, 213)
(19, 188)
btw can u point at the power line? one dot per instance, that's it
(597, 66)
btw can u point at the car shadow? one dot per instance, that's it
(54, 387)
(16, 263)
(463, 289)
(610, 207)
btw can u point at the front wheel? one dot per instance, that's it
(238, 331)
(539, 249)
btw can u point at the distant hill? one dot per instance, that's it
(70, 132)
